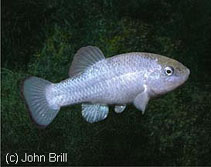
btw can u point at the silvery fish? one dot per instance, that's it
(97, 82)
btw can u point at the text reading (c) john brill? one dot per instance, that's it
(33, 158)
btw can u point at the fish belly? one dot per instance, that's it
(117, 90)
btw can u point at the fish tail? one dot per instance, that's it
(34, 91)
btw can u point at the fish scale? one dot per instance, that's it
(115, 77)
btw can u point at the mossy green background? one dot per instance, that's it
(40, 38)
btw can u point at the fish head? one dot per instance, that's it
(167, 76)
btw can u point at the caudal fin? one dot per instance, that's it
(34, 92)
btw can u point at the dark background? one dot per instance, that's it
(40, 38)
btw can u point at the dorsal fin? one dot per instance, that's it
(85, 57)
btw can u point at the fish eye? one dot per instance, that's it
(169, 70)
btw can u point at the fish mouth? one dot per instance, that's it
(188, 72)
(185, 77)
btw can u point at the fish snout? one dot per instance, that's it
(187, 73)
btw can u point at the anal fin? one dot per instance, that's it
(94, 112)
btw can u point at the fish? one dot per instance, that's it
(98, 82)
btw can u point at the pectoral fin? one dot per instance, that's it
(94, 112)
(119, 109)
(141, 101)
